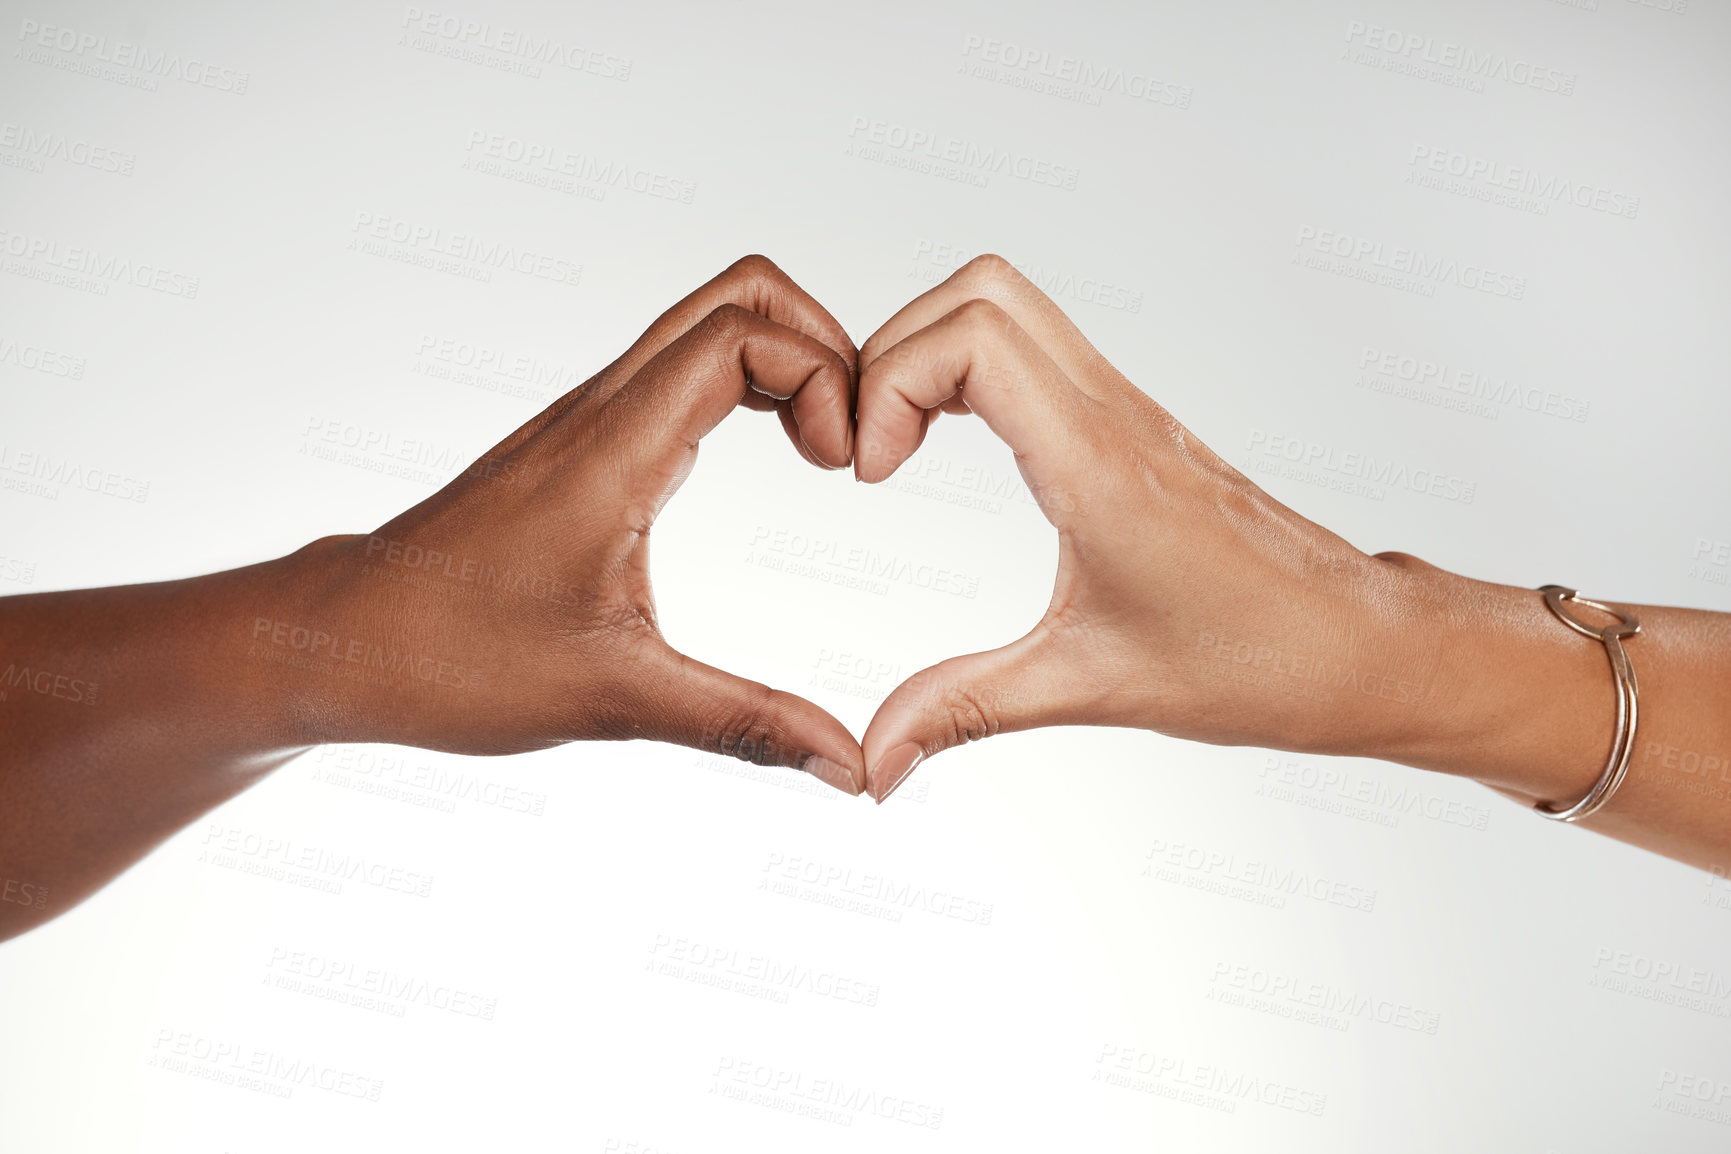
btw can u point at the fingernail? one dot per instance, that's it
(893, 769)
(831, 773)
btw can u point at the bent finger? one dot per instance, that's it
(754, 283)
(688, 387)
(992, 278)
(978, 354)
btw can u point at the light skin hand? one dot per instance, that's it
(1190, 602)
(510, 611)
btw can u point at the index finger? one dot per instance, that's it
(992, 278)
(753, 283)
(688, 387)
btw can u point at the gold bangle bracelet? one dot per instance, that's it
(1623, 673)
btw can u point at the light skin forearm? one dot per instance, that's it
(1405, 662)
(1526, 706)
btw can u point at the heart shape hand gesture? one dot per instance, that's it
(512, 610)
(1160, 616)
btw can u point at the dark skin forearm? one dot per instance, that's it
(510, 611)
(161, 716)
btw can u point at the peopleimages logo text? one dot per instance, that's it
(1412, 262)
(965, 154)
(45, 144)
(1361, 466)
(123, 54)
(94, 263)
(509, 41)
(580, 166)
(1523, 179)
(1087, 75)
(465, 247)
(1447, 54)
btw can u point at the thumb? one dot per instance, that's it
(706, 708)
(963, 699)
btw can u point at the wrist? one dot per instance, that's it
(1343, 661)
(1514, 699)
(371, 645)
(1380, 663)
(294, 619)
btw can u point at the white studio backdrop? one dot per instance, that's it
(247, 283)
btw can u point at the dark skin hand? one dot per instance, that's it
(510, 611)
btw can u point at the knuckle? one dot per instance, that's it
(746, 736)
(969, 716)
(726, 321)
(989, 268)
(981, 313)
(754, 268)
(992, 276)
